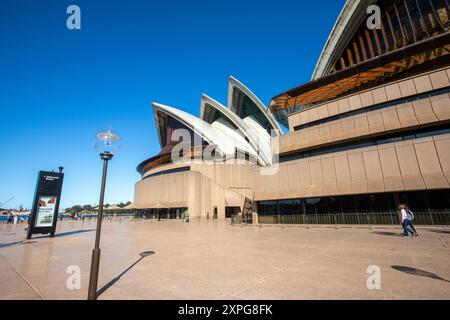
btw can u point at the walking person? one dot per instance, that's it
(407, 218)
(410, 218)
(404, 215)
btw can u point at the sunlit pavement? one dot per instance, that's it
(214, 260)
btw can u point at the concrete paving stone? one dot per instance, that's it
(214, 260)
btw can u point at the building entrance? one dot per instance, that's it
(167, 213)
(232, 211)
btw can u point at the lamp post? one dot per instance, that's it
(107, 144)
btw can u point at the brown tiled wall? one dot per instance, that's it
(400, 89)
(411, 114)
(408, 165)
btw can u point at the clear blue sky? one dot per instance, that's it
(58, 87)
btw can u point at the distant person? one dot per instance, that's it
(10, 218)
(410, 218)
(407, 218)
(16, 218)
(403, 214)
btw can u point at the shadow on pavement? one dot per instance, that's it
(69, 233)
(113, 281)
(65, 234)
(392, 234)
(418, 272)
(6, 245)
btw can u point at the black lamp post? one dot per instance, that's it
(106, 144)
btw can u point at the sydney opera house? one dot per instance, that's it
(370, 131)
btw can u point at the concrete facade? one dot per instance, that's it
(392, 136)
(390, 92)
(403, 166)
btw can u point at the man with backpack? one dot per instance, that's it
(407, 221)
(410, 217)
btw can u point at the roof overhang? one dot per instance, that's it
(353, 78)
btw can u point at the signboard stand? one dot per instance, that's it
(44, 214)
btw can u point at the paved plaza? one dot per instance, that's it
(214, 260)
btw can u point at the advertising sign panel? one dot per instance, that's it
(46, 211)
(44, 214)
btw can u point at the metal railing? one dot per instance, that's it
(242, 219)
(106, 217)
(372, 218)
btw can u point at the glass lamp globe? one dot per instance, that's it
(107, 143)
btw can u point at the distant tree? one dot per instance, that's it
(87, 207)
(74, 209)
(106, 205)
(123, 205)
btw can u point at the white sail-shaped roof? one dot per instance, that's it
(245, 127)
(262, 111)
(247, 132)
(226, 142)
(226, 113)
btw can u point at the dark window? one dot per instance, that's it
(348, 204)
(428, 15)
(322, 206)
(441, 13)
(405, 22)
(290, 207)
(431, 207)
(176, 170)
(396, 26)
(439, 200)
(417, 201)
(416, 18)
(268, 208)
(383, 47)
(383, 202)
(392, 35)
(363, 203)
(311, 205)
(334, 205)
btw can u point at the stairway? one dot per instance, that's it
(247, 211)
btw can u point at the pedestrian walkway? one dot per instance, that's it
(214, 260)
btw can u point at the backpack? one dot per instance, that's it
(409, 215)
